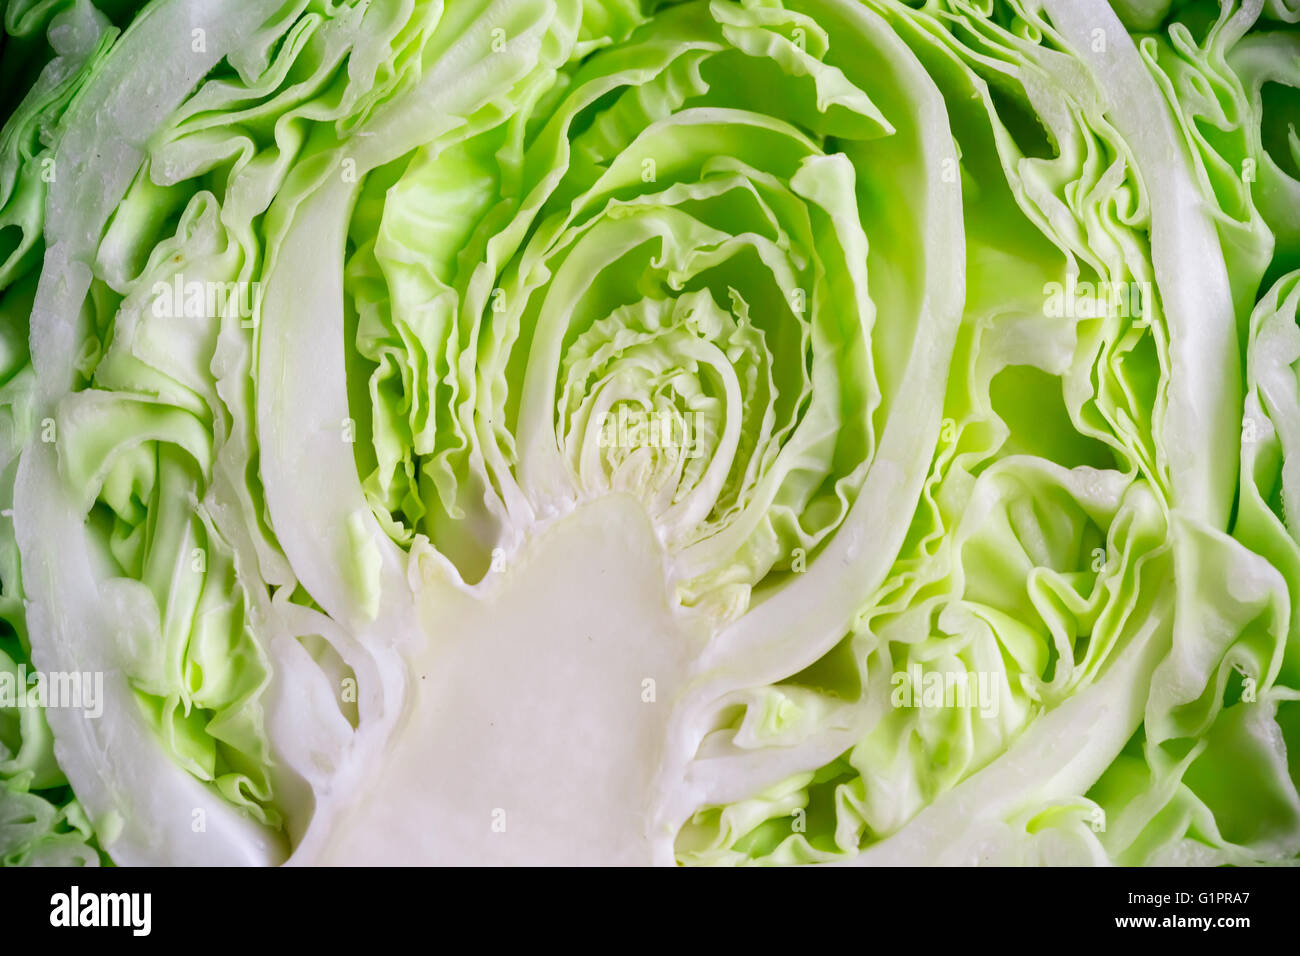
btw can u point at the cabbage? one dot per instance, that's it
(629, 432)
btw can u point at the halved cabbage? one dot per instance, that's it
(615, 431)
